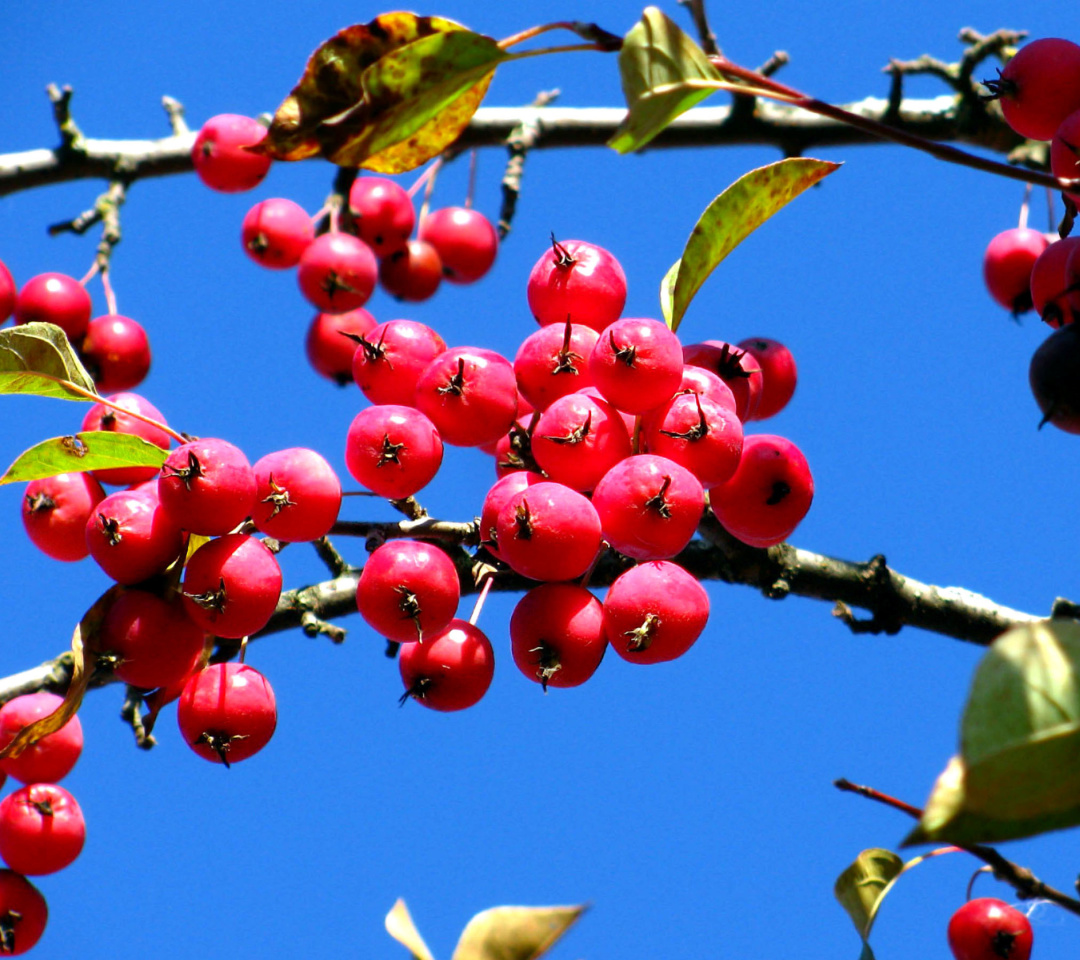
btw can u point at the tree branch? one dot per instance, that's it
(787, 128)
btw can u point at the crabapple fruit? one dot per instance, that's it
(227, 712)
(449, 671)
(392, 450)
(989, 929)
(49, 759)
(220, 159)
(464, 239)
(42, 829)
(579, 281)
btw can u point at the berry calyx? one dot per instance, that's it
(451, 670)
(337, 272)
(577, 280)
(227, 712)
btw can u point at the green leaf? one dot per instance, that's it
(36, 358)
(667, 291)
(1018, 772)
(733, 216)
(92, 450)
(515, 933)
(863, 885)
(664, 73)
(387, 95)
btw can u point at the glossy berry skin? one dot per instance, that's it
(116, 353)
(554, 361)
(579, 281)
(9, 293)
(55, 298)
(42, 829)
(412, 274)
(649, 507)
(23, 913)
(1065, 151)
(1049, 282)
(694, 380)
(102, 417)
(220, 159)
(1054, 376)
(231, 586)
(297, 495)
(989, 929)
(699, 434)
(408, 590)
(637, 364)
(389, 361)
(392, 450)
(578, 439)
(654, 612)
(207, 486)
(276, 232)
(768, 495)
(451, 670)
(1007, 266)
(383, 213)
(1039, 87)
(55, 512)
(227, 712)
(131, 536)
(465, 241)
(737, 367)
(329, 348)
(501, 491)
(548, 532)
(337, 272)
(778, 372)
(152, 641)
(557, 635)
(470, 394)
(51, 758)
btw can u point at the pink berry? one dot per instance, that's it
(501, 491)
(554, 361)
(55, 298)
(654, 612)
(698, 433)
(412, 274)
(578, 439)
(116, 352)
(49, 759)
(42, 829)
(297, 495)
(102, 417)
(55, 512)
(470, 394)
(1065, 151)
(227, 712)
(131, 536)
(9, 293)
(579, 281)
(221, 161)
(408, 591)
(276, 232)
(1050, 293)
(389, 360)
(1039, 87)
(330, 345)
(23, 913)
(1007, 266)
(337, 272)
(207, 486)
(637, 364)
(383, 213)
(557, 635)
(392, 450)
(465, 240)
(231, 586)
(737, 367)
(778, 372)
(449, 671)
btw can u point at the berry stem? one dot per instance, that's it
(479, 605)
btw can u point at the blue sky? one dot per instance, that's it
(690, 803)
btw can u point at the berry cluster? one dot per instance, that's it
(114, 349)
(1039, 92)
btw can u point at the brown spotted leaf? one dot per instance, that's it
(387, 95)
(515, 933)
(90, 450)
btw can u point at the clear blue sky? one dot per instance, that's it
(691, 802)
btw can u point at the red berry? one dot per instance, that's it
(102, 417)
(408, 590)
(55, 298)
(989, 929)
(579, 438)
(151, 641)
(330, 348)
(470, 394)
(9, 293)
(412, 274)
(42, 829)
(778, 374)
(1039, 87)
(276, 232)
(1007, 266)
(737, 367)
(637, 364)
(116, 353)
(1050, 282)
(55, 512)
(389, 360)
(1065, 151)
(698, 433)
(227, 712)
(23, 913)
(579, 281)
(297, 495)
(207, 486)
(337, 272)
(383, 213)
(51, 758)
(554, 361)
(557, 635)
(654, 612)
(465, 241)
(392, 450)
(1054, 376)
(501, 491)
(231, 586)
(131, 536)
(449, 671)
(220, 159)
